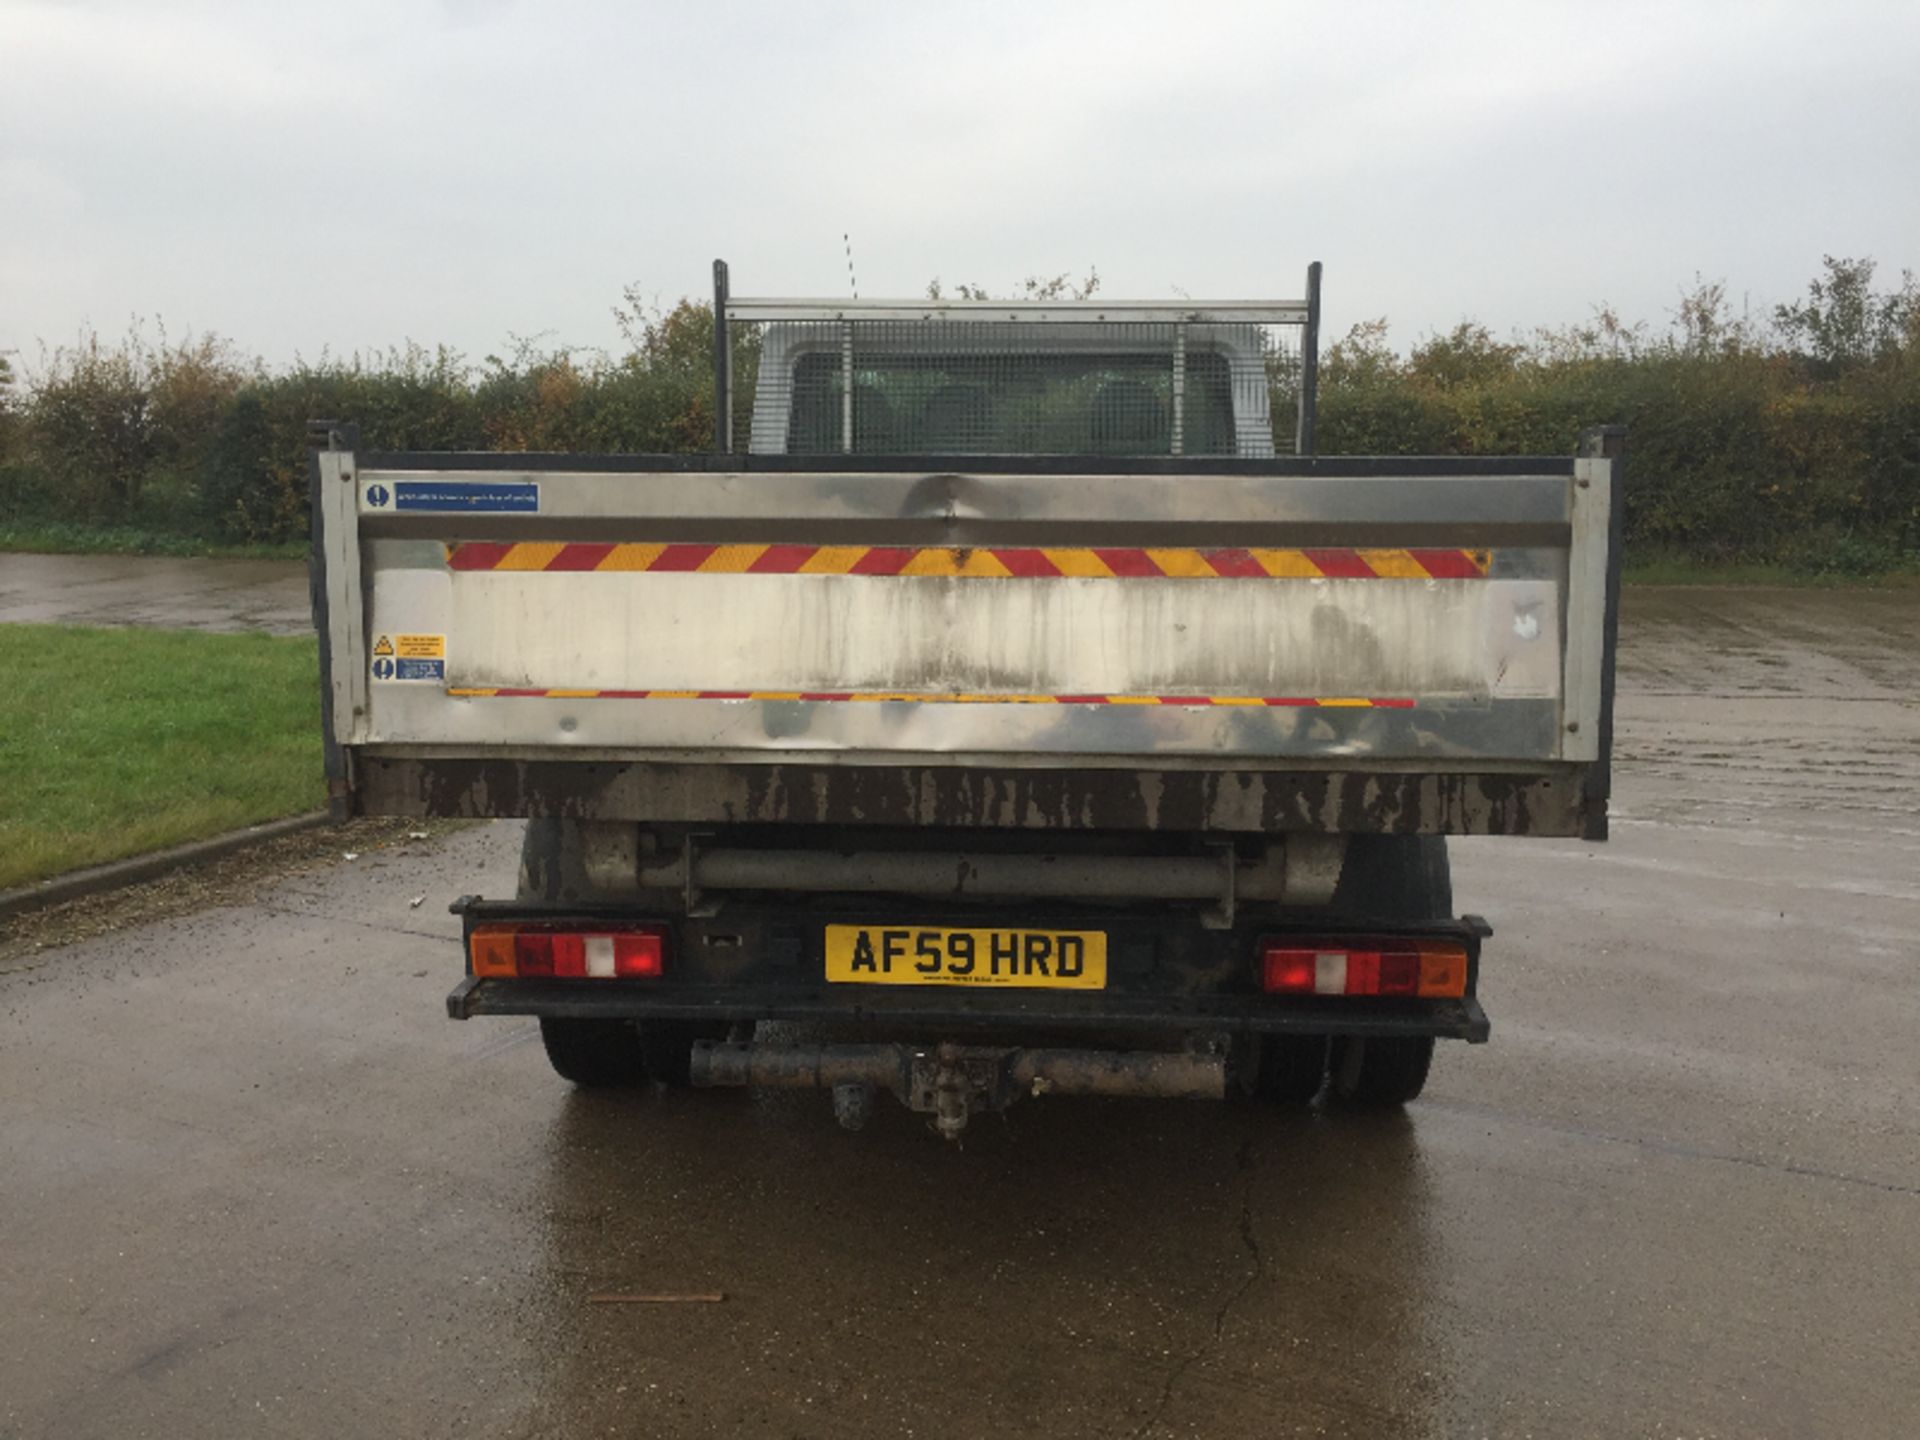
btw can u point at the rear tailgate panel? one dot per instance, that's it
(1432, 627)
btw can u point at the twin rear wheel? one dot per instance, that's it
(601, 1053)
(1374, 1072)
(1384, 877)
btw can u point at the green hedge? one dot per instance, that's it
(1738, 456)
(194, 440)
(1796, 442)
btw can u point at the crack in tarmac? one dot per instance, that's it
(347, 920)
(1673, 1148)
(1247, 1163)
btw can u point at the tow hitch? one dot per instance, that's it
(950, 1081)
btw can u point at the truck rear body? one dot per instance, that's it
(963, 744)
(1360, 645)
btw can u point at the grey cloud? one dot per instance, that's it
(308, 175)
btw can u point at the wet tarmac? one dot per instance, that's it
(157, 590)
(252, 1184)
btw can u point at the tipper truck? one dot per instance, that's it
(1023, 709)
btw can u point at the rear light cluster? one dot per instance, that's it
(507, 952)
(1418, 969)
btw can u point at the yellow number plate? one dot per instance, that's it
(916, 955)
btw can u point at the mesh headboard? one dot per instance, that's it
(1018, 378)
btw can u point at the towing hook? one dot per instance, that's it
(953, 1091)
(853, 1104)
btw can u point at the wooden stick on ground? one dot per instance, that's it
(710, 1298)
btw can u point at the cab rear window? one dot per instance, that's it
(1040, 404)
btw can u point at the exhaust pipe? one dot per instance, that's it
(952, 1081)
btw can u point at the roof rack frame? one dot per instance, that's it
(731, 310)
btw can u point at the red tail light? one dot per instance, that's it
(639, 955)
(1426, 969)
(533, 955)
(510, 952)
(1291, 971)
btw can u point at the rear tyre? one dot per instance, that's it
(1380, 1072)
(1389, 877)
(1292, 1068)
(1396, 877)
(594, 1054)
(553, 870)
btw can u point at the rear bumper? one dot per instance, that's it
(1252, 1014)
(1167, 974)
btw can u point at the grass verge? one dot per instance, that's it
(118, 742)
(60, 537)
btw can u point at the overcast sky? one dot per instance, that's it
(302, 175)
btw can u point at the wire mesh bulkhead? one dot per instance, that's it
(945, 386)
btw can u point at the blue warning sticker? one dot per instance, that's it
(410, 657)
(514, 497)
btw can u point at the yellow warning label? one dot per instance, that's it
(419, 647)
(383, 646)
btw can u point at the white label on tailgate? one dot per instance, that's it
(1523, 639)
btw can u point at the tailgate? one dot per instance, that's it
(1367, 617)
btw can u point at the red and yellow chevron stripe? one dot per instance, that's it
(1325, 702)
(980, 563)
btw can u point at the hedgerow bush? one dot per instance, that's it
(1795, 438)
(1793, 441)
